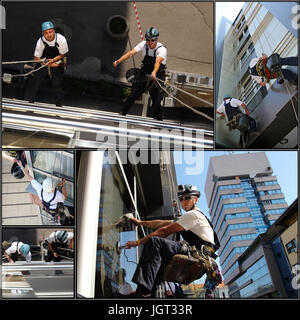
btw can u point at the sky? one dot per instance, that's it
(193, 170)
(229, 10)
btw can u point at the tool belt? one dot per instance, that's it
(263, 71)
(191, 264)
(234, 122)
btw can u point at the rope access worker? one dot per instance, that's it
(193, 226)
(47, 196)
(57, 240)
(53, 46)
(153, 64)
(261, 74)
(16, 250)
(231, 107)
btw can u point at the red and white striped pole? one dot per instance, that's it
(138, 20)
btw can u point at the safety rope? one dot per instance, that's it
(189, 107)
(24, 74)
(138, 20)
(290, 94)
(24, 61)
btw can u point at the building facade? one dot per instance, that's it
(266, 267)
(244, 199)
(259, 28)
(109, 186)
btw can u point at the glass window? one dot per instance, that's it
(291, 246)
(114, 268)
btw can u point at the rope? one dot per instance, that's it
(189, 107)
(27, 74)
(290, 95)
(24, 61)
(138, 20)
(191, 95)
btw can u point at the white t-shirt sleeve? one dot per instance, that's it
(162, 52)
(59, 197)
(12, 249)
(221, 108)
(63, 44)
(51, 237)
(37, 186)
(28, 257)
(140, 46)
(39, 48)
(235, 102)
(188, 220)
(70, 236)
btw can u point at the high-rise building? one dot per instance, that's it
(245, 199)
(260, 27)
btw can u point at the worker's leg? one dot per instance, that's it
(156, 97)
(57, 75)
(157, 253)
(289, 61)
(136, 90)
(253, 126)
(34, 84)
(290, 75)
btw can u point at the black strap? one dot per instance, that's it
(216, 239)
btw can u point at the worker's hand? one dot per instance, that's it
(116, 63)
(131, 244)
(55, 255)
(247, 113)
(63, 181)
(153, 75)
(136, 221)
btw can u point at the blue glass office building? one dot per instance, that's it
(245, 199)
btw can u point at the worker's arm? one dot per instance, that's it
(153, 224)
(156, 67)
(124, 57)
(161, 232)
(54, 62)
(245, 108)
(70, 245)
(51, 249)
(8, 157)
(25, 171)
(63, 189)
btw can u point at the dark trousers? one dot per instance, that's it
(288, 74)
(157, 253)
(55, 246)
(39, 76)
(156, 96)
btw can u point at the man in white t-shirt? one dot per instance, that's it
(230, 107)
(154, 65)
(193, 226)
(53, 46)
(47, 196)
(57, 240)
(17, 249)
(261, 74)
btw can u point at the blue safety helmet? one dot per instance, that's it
(62, 236)
(227, 96)
(25, 248)
(151, 33)
(187, 189)
(47, 25)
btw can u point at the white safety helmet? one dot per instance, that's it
(48, 185)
